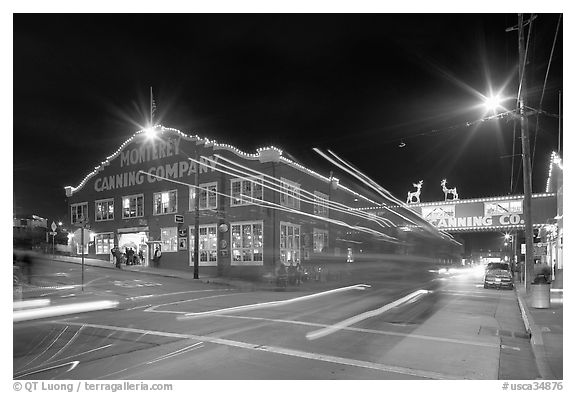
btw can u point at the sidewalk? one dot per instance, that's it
(545, 326)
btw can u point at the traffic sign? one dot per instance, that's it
(178, 218)
(53, 226)
(53, 233)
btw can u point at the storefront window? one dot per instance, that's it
(105, 210)
(78, 211)
(133, 206)
(320, 240)
(289, 243)
(169, 239)
(245, 191)
(104, 243)
(208, 245)
(165, 202)
(247, 243)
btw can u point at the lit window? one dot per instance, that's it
(290, 194)
(320, 240)
(169, 239)
(133, 206)
(104, 243)
(165, 202)
(208, 245)
(320, 204)
(289, 243)
(105, 210)
(247, 243)
(78, 211)
(246, 191)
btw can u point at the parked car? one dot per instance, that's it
(498, 275)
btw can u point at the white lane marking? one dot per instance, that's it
(136, 308)
(175, 293)
(509, 347)
(72, 367)
(153, 308)
(371, 331)
(365, 315)
(285, 351)
(256, 306)
(63, 309)
(178, 352)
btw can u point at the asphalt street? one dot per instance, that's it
(429, 326)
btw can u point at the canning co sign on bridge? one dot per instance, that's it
(483, 214)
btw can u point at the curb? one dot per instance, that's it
(536, 340)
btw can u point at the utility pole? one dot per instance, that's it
(197, 217)
(527, 167)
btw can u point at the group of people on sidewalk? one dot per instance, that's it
(129, 257)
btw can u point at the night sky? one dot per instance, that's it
(358, 84)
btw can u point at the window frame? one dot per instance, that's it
(203, 189)
(252, 262)
(110, 244)
(106, 200)
(252, 180)
(286, 247)
(136, 196)
(166, 249)
(321, 208)
(84, 213)
(315, 233)
(290, 198)
(175, 210)
(208, 249)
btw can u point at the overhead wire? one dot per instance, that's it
(544, 90)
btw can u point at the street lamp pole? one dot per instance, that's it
(526, 164)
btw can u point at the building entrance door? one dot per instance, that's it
(137, 241)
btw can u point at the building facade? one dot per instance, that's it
(253, 211)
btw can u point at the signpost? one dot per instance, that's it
(83, 224)
(53, 233)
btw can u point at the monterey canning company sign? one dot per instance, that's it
(135, 171)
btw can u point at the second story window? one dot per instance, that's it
(290, 194)
(105, 210)
(246, 191)
(165, 202)
(208, 196)
(78, 211)
(133, 206)
(320, 204)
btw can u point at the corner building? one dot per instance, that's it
(255, 210)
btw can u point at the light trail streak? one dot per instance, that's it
(331, 204)
(284, 208)
(358, 318)
(68, 357)
(47, 348)
(258, 306)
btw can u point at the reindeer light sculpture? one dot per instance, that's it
(415, 194)
(449, 191)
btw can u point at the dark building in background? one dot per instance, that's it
(256, 211)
